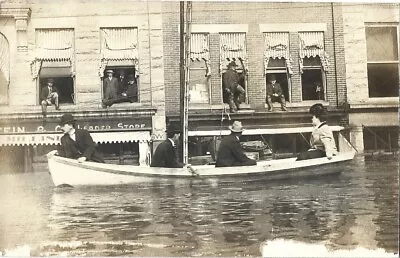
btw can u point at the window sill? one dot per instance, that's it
(305, 103)
(195, 106)
(376, 103)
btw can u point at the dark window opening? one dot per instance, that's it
(383, 80)
(128, 83)
(381, 138)
(64, 86)
(312, 79)
(312, 86)
(282, 79)
(277, 67)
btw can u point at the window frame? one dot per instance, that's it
(280, 70)
(115, 68)
(208, 83)
(241, 68)
(383, 25)
(40, 86)
(323, 79)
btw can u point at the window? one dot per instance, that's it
(277, 59)
(311, 79)
(119, 52)
(233, 48)
(199, 74)
(4, 69)
(54, 58)
(383, 61)
(313, 65)
(381, 138)
(127, 83)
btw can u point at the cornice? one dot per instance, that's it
(15, 12)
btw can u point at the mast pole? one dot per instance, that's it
(182, 68)
(186, 84)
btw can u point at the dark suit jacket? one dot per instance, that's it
(45, 92)
(230, 153)
(110, 88)
(84, 146)
(276, 88)
(231, 80)
(165, 156)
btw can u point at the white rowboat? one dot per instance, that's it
(66, 171)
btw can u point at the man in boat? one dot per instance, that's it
(77, 143)
(322, 142)
(166, 153)
(230, 152)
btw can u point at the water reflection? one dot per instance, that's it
(355, 209)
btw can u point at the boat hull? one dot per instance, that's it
(70, 172)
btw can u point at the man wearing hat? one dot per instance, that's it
(274, 93)
(230, 152)
(110, 87)
(232, 88)
(77, 143)
(165, 154)
(48, 96)
(130, 93)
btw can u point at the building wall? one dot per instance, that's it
(86, 18)
(253, 17)
(363, 109)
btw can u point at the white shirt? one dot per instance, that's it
(72, 135)
(173, 143)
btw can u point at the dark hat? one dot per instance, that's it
(173, 128)
(131, 77)
(272, 77)
(66, 118)
(232, 64)
(50, 80)
(317, 110)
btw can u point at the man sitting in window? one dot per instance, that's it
(48, 96)
(131, 91)
(275, 94)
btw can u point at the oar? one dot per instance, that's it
(192, 170)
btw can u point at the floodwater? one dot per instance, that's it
(357, 209)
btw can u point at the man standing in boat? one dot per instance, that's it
(77, 143)
(165, 154)
(230, 152)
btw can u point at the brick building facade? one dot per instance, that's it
(300, 43)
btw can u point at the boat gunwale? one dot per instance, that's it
(205, 171)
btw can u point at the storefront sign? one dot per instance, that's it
(30, 139)
(106, 124)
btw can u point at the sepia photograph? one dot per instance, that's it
(149, 128)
